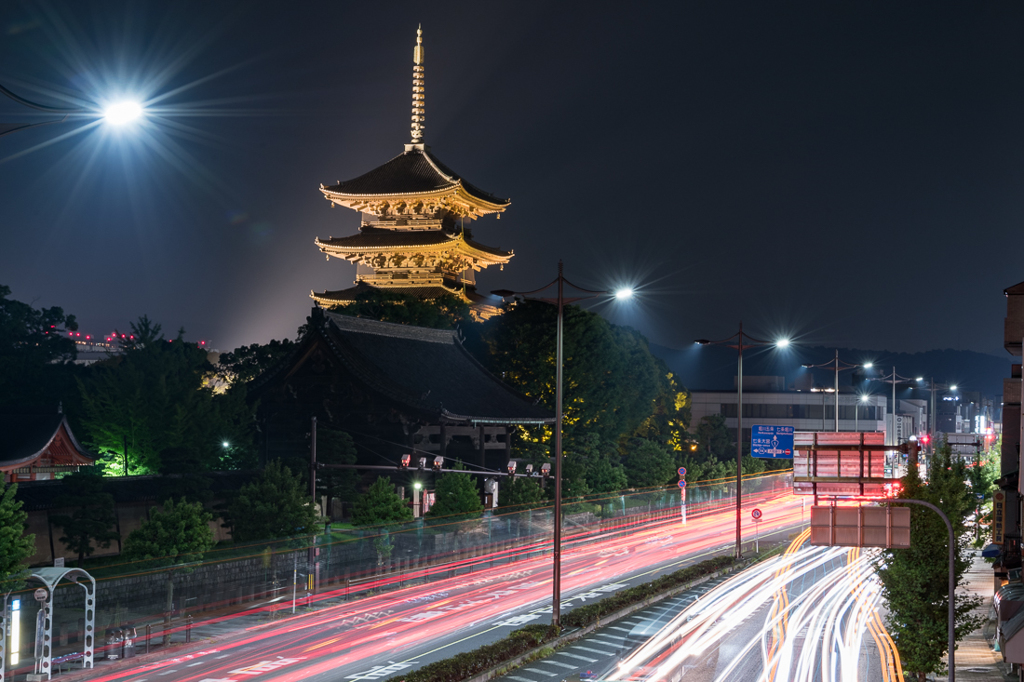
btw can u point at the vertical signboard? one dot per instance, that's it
(998, 517)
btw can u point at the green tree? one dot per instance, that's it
(670, 416)
(158, 397)
(648, 464)
(179, 534)
(456, 497)
(591, 465)
(611, 380)
(380, 505)
(36, 354)
(915, 580)
(245, 363)
(444, 312)
(518, 494)
(92, 519)
(275, 505)
(15, 545)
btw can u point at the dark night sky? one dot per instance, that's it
(845, 173)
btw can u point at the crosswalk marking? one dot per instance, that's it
(594, 651)
(578, 658)
(615, 627)
(560, 665)
(519, 679)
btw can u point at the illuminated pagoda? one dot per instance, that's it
(413, 238)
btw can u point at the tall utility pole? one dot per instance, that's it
(837, 365)
(739, 345)
(559, 302)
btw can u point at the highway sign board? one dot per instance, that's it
(771, 442)
(756, 514)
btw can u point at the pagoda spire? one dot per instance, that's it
(418, 90)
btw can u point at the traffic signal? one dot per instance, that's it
(406, 459)
(925, 440)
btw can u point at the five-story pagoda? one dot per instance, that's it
(413, 238)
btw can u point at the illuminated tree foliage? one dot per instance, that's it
(15, 545)
(153, 405)
(915, 580)
(611, 381)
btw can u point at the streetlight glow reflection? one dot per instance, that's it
(121, 113)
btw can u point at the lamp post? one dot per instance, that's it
(740, 341)
(931, 408)
(559, 301)
(838, 365)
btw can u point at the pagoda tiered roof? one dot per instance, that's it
(415, 179)
(376, 239)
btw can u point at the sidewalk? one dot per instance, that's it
(975, 659)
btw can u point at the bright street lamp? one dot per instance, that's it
(739, 345)
(121, 113)
(560, 300)
(838, 365)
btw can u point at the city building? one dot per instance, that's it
(765, 401)
(414, 237)
(1013, 336)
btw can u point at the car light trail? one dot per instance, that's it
(808, 634)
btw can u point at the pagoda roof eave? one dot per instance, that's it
(337, 246)
(474, 204)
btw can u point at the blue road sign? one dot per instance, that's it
(682, 484)
(681, 471)
(771, 442)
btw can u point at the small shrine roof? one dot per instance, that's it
(415, 171)
(26, 436)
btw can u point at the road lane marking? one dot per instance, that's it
(218, 657)
(560, 665)
(192, 665)
(546, 673)
(519, 679)
(578, 658)
(615, 627)
(166, 672)
(594, 651)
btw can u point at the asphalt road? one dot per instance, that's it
(380, 636)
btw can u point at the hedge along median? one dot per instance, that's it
(522, 642)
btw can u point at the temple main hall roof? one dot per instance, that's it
(416, 171)
(426, 370)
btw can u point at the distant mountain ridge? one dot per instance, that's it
(714, 367)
